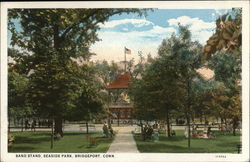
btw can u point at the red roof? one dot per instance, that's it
(121, 81)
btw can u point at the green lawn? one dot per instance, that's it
(179, 144)
(70, 143)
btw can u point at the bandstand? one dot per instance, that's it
(120, 107)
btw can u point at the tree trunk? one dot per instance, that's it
(141, 126)
(168, 124)
(225, 121)
(193, 118)
(58, 125)
(22, 124)
(14, 121)
(188, 126)
(52, 135)
(142, 131)
(201, 117)
(118, 118)
(188, 110)
(188, 122)
(56, 37)
(9, 124)
(87, 127)
(234, 126)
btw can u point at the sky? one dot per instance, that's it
(145, 34)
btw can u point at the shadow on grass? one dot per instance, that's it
(41, 134)
(104, 139)
(81, 146)
(227, 144)
(100, 140)
(21, 140)
(169, 148)
(162, 138)
(173, 138)
(73, 134)
(20, 149)
(77, 133)
(30, 134)
(88, 146)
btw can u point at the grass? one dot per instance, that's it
(70, 143)
(179, 144)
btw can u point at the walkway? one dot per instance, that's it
(124, 141)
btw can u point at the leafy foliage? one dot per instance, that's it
(226, 44)
(52, 39)
(17, 89)
(228, 34)
(68, 31)
(165, 86)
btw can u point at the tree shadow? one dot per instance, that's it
(20, 149)
(30, 134)
(173, 138)
(104, 140)
(73, 134)
(41, 134)
(228, 144)
(77, 133)
(166, 148)
(22, 140)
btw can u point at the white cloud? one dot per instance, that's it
(135, 22)
(196, 24)
(160, 30)
(125, 29)
(221, 12)
(201, 36)
(200, 29)
(112, 45)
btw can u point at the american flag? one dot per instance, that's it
(127, 51)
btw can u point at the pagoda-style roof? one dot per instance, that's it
(121, 81)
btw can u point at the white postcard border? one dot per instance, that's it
(244, 156)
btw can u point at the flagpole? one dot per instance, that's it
(125, 59)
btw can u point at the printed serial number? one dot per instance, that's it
(220, 156)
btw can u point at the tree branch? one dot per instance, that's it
(67, 30)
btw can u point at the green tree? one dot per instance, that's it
(227, 68)
(91, 101)
(223, 54)
(53, 37)
(167, 81)
(183, 59)
(17, 89)
(18, 85)
(203, 94)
